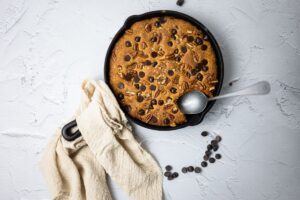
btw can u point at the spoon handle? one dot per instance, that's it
(259, 88)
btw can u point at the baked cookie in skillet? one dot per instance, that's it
(155, 62)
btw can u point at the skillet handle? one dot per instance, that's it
(66, 131)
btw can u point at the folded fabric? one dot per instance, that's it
(77, 170)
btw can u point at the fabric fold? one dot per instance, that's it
(77, 169)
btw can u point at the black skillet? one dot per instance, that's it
(191, 119)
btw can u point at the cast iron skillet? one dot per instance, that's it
(191, 119)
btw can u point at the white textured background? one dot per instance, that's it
(48, 47)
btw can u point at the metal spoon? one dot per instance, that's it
(195, 102)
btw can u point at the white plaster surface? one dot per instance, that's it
(47, 47)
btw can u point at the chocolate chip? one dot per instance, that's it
(150, 106)
(199, 77)
(136, 79)
(173, 90)
(176, 51)
(154, 64)
(152, 87)
(167, 174)
(141, 74)
(142, 87)
(215, 148)
(157, 24)
(193, 72)
(214, 143)
(204, 47)
(121, 85)
(183, 49)
(160, 102)
(204, 133)
(208, 153)
(198, 68)
(209, 147)
(128, 77)
(168, 167)
(128, 44)
(204, 62)
(198, 41)
(173, 37)
(166, 121)
(173, 31)
(197, 170)
(170, 72)
(175, 175)
(151, 78)
(154, 54)
(170, 43)
(204, 164)
(190, 38)
(177, 59)
(147, 62)
(184, 170)
(137, 38)
(218, 138)
(174, 110)
(127, 58)
(180, 2)
(120, 96)
(204, 68)
(218, 156)
(137, 86)
(211, 160)
(190, 169)
(205, 157)
(141, 112)
(153, 102)
(140, 98)
(153, 39)
(127, 108)
(153, 120)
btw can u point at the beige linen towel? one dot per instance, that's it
(76, 170)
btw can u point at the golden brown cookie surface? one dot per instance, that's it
(155, 62)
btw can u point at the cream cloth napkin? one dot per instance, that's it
(77, 170)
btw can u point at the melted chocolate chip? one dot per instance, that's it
(190, 38)
(205, 37)
(128, 77)
(137, 38)
(204, 62)
(157, 24)
(176, 51)
(153, 101)
(154, 54)
(141, 74)
(198, 41)
(154, 39)
(152, 87)
(183, 49)
(127, 58)
(200, 77)
(136, 79)
(151, 79)
(128, 44)
(153, 120)
(141, 112)
(154, 64)
(174, 110)
(173, 90)
(120, 96)
(166, 121)
(170, 72)
(173, 31)
(137, 86)
(160, 102)
(204, 68)
(140, 98)
(147, 62)
(204, 47)
(177, 59)
(194, 72)
(170, 43)
(142, 87)
(127, 108)
(121, 85)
